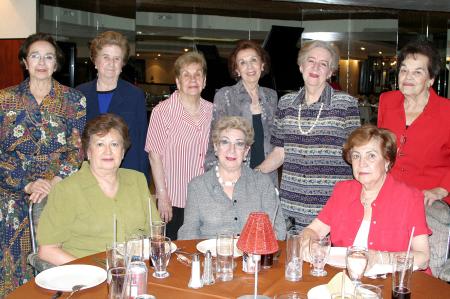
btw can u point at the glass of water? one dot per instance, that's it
(224, 258)
(160, 255)
(356, 261)
(319, 250)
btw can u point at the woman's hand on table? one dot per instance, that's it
(431, 195)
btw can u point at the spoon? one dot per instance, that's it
(75, 289)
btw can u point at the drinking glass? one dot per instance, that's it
(115, 255)
(294, 261)
(160, 255)
(401, 276)
(224, 256)
(319, 250)
(116, 282)
(356, 261)
(367, 291)
(158, 228)
(134, 248)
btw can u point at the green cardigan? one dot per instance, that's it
(80, 217)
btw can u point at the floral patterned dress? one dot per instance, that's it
(36, 141)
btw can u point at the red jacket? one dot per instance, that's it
(395, 211)
(423, 156)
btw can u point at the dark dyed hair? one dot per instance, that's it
(364, 134)
(243, 45)
(25, 48)
(425, 48)
(109, 38)
(102, 125)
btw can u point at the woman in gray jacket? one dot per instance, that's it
(222, 198)
(247, 64)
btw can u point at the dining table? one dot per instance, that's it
(270, 281)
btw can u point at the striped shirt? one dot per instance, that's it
(181, 142)
(313, 162)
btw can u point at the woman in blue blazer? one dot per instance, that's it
(109, 94)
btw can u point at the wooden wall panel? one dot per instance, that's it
(10, 70)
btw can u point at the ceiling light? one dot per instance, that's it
(137, 54)
(159, 55)
(362, 48)
(139, 32)
(186, 49)
(379, 52)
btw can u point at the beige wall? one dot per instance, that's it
(18, 18)
(159, 70)
(349, 82)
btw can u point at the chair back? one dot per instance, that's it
(438, 219)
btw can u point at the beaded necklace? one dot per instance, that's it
(222, 182)
(314, 124)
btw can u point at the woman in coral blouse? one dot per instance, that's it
(421, 121)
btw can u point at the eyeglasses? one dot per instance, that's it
(48, 58)
(224, 143)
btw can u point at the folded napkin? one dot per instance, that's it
(335, 284)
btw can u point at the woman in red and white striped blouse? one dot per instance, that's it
(177, 139)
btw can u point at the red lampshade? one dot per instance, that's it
(257, 236)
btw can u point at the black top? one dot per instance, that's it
(257, 150)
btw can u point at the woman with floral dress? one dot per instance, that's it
(40, 125)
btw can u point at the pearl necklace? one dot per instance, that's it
(222, 182)
(314, 124)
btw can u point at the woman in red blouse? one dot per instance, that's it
(420, 120)
(374, 210)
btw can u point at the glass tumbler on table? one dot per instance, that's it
(160, 255)
(401, 276)
(224, 256)
(319, 250)
(356, 261)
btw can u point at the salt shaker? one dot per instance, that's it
(195, 282)
(208, 275)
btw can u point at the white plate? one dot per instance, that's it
(337, 257)
(63, 278)
(173, 248)
(319, 292)
(210, 245)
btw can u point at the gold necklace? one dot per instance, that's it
(314, 124)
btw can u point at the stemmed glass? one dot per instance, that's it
(160, 255)
(356, 260)
(319, 250)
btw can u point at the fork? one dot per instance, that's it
(75, 289)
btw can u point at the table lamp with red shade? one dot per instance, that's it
(257, 237)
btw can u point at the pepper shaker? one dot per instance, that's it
(208, 275)
(195, 282)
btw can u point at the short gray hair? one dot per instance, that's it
(308, 46)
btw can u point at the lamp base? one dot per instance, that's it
(253, 297)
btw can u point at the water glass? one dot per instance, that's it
(116, 282)
(319, 250)
(356, 261)
(134, 249)
(294, 262)
(401, 276)
(115, 255)
(158, 228)
(160, 255)
(367, 291)
(224, 256)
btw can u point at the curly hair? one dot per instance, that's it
(233, 122)
(425, 48)
(109, 38)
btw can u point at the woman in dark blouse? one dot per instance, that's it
(247, 64)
